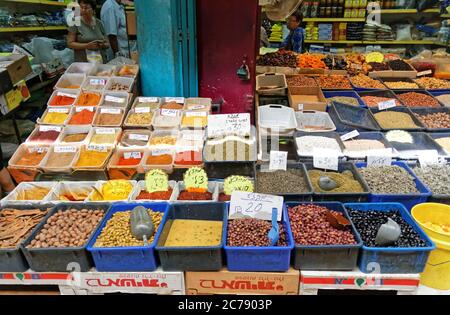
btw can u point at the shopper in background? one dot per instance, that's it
(114, 19)
(264, 38)
(294, 41)
(88, 39)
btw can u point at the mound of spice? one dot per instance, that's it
(345, 181)
(88, 99)
(395, 120)
(104, 138)
(130, 159)
(137, 138)
(84, 117)
(187, 195)
(54, 118)
(364, 81)
(310, 226)
(163, 159)
(334, 82)
(433, 83)
(157, 195)
(62, 100)
(31, 158)
(91, 158)
(373, 101)
(139, 119)
(163, 140)
(108, 119)
(76, 137)
(60, 160)
(45, 136)
(413, 99)
(253, 232)
(172, 105)
(194, 121)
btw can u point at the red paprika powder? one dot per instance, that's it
(85, 117)
(187, 195)
(157, 195)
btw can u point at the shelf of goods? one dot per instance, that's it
(334, 19)
(405, 42)
(32, 29)
(405, 11)
(50, 3)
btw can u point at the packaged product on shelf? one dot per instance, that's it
(82, 116)
(112, 190)
(109, 117)
(88, 99)
(138, 138)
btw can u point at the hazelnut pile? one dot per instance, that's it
(252, 232)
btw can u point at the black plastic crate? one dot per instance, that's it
(426, 111)
(221, 170)
(327, 257)
(273, 99)
(59, 259)
(343, 197)
(204, 258)
(406, 110)
(12, 259)
(282, 143)
(348, 118)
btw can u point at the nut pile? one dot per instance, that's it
(70, 228)
(252, 232)
(436, 177)
(372, 101)
(334, 82)
(310, 226)
(117, 231)
(397, 85)
(435, 120)
(301, 80)
(389, 180)
(281, 182)
(413, 99)
(364, 81)
(368, 222)
(433, 83)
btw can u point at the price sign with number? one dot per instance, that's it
(326, 159)
(350, 135)
(139, 137)
(195, 179)
(229, 124)
(386, 104)
(132, 155)
(98, 148)
(169, 112)
(382, 157)
(156, 180)
(97, 82)
(237, 183)
(259, 206)
(278, 160)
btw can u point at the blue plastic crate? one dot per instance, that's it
(408, 200)
(136, 258)
(329, 94)
(347, 118)
(400, 260)
(254, 258)
(326, 257)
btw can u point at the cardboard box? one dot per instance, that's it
(298, 102)
(14, 97)
(229, 282)
(271, 84)
(17, 66)
(131, 23)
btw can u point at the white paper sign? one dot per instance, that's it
(158, 152)
(381, 157)
(134, 136)
(58, 110)
(178, 100)
(50, 128)
(196, 114)
(66, 95)
(114, 99)
(97, 147)
(114, 111)
(428, 157)
(142, 110)
(229, 124)
(278, 160)
(426, 72)
(326, 159)
(300, 107)
(65, 149)
(169, 112)
(259, 206)
(97, 81)
(79, 109)
(350, 135)
(147, 100)
(386, 104)
(105, 131)
(132, 155)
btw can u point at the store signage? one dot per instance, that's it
(386, 104)
(350, 135)
(114, 99)
(132, 155)
(114, 111)
(196, 178)
(381, 157)
(428, 157)
(170, 112)
(156, 180)
(326, 159)
(229, 124)
(142, 110)
(179, 100)
(278, 160)
(135, 136)
(147, 99)
(259, 206)
(105, 131)
(49, 128)
(58, 110)
(65, 149)
(66, 95)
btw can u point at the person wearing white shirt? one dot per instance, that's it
(114, 20)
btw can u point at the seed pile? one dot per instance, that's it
(397, 85)
(281, 182)
(306, 144)
(435, 120)
(310, 226)
(345, 181)
(253, 232)
(389, 180)
(392, 120)
(399, 136)
(436, 177)
(413, 99)
(344, 99)
(368, 222)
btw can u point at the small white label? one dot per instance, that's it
(115, 111)
(58, 110)
(428, 157)
(66, 95)
(381, 157)
(193, 136)
(278, 160)
(259, 206)
(39, 150)
(142, 110)
(300, 107)
(114, 99)
(326, 159)
(350, 135)
(157, 152)
(50, 128)
(386, 104)
(195, 107)
(79, 109)
(426, 72)
(65, 149)
(97, 82)
(98, 148)
(134, 136)
(169, 112)
(178, 100)
(196, 114)
(105, 131)
(147, 100)
(132, 155)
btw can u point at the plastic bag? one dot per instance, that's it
(426, 4)
(120, 61)
(404, 32)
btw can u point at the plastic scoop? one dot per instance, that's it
(327, 184)
(388, 233)
(274, 233)
(338, 221)
(142, 226)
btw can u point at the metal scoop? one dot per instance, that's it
(388, 233)
(142, 226)
(327, 184)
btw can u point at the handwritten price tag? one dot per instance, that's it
(326, 159)
(196, 114)
(156, 180)
(170, 112)
(382, 157)
(105, 131)
(158, 152)
(196, 107)
(278, 160)
(49, 128)
(386, 104)
(196, 178)
(237, 183)
(97, 82)
(259, 206)
(138, 137)
(65, 149)
(426, 72)
(58, 110)
(350, 135)
(79, 109)
(98, 148)
(148, 100)
(66, 95)
(114, 99)
(132, 155)
(230, 124)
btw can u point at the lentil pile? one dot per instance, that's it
(413, 99)
(281, 182)
(368, 222)
(435, 120)
(310, 226)
(252, 232)
(392, 120)
(436, 177)
(364, 81)
(70, 228)
(433, 83)
(391, 179)
(117, 231)
(345, 181)
(372, 101)
(334, 82)
(301, 80)
(344, 100)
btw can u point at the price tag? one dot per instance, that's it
(326, 159)
(230, 124)
(196, 107)
(98, 148)
(169, 112)
(300, 107)
(115, 111)
(132, 155)
(66, 95)
(49, 128)
(114, 99)
(428, 157)
(386, 104)
(278, 160)
(381, 157)
(259, 206)
(426, 72)
(58, 110)
(158, 152)
(178, 100)
(39, 150)
(147, 100)
(97, 82)
(79, 109)
(156, 180)
(237, 183)
(350, 135)
(193, 136)
(65, 149)
(105, 131)
(196, 114)
(195, 178)
(142, 110)
(134, 136)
